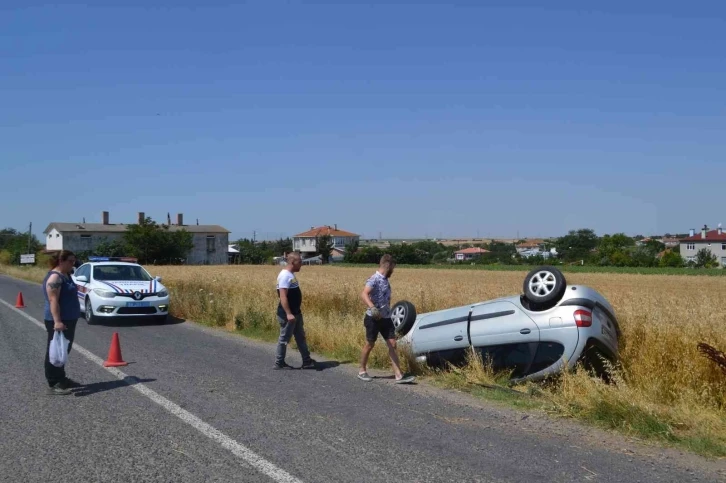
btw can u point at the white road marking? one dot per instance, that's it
(236, 448)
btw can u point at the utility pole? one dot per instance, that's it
(254, 236)
(30, 234)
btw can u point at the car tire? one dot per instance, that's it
(88, 314)
(544, 286)
(403, 315)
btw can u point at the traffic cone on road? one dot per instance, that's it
(19, 303)
(114, 358)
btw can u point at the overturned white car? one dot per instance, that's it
(533, 334)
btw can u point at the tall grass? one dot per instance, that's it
(665, 389)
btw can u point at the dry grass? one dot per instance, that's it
(666, 389)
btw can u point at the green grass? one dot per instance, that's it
(621, 417)
(714, 272)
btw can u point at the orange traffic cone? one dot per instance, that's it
(114, 354)
(19, 303)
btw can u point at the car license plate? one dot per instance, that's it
(138, 304)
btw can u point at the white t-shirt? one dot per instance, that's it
(287, 280)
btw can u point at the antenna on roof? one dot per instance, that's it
(197, 221)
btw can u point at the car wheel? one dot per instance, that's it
(403, 315)
(544, 286)
(90, 318)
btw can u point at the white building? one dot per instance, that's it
(210, 241)
(469, 253)
(305, 242)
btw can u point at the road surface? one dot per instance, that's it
(197, 404)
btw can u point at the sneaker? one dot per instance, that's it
(58, 390)
(405, 379)
(282, 365)
(309, 364)
(363, 376)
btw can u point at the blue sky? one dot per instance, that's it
(405, 119)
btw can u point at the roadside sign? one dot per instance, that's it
(28, 258)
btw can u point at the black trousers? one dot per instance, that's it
(55, 374)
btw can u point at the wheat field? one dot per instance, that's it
(664, 389)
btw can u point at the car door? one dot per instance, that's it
(83, 287)
(502, 322)
(505, 336)
(443, 331)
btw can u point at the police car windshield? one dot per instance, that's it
(129, 273)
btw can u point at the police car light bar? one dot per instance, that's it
(113, 259)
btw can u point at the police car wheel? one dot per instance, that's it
(90, 318)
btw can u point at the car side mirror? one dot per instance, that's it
(157, 278)
(82, 278)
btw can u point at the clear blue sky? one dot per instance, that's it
(409, 119)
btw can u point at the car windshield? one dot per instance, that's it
(131, 273)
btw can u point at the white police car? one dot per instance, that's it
(119, 287)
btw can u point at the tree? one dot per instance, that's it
(152, 243)
(281, 246)
(324, 246)
(251, 253)
(706, 259)
(15, 243)
(350, 251)
(671, 259)
(576, 245)
(177, 245)
(114, 248)
(499, 252)
(609, 244)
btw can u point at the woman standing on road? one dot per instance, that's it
(61, 313)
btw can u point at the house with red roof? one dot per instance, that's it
(469, 253)
(713, 240)
(305, 242)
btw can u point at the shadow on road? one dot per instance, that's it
(322, 365)
(97, 387)
(136, 321)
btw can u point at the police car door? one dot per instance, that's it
(83, 286)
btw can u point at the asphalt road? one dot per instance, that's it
(196, 404)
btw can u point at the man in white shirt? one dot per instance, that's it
(289, 314)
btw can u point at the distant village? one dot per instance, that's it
(212, 246)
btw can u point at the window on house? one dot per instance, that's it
(210, 243)
(691, 246)
(723, 246)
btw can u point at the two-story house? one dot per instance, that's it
(305, 242)
(210, 241)
(713, 240)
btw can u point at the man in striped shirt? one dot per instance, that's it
(377, 297)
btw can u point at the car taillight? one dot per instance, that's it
(583, 318)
